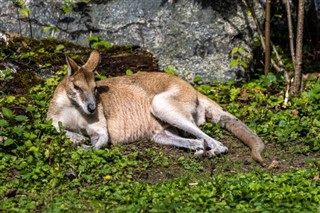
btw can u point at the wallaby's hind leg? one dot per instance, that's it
(169, 137)
(180, 115)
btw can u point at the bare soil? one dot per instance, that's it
(238, 160)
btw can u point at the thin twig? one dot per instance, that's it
(30, 25)
(291, 37)
(19, 21)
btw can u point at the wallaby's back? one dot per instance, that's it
(127, 103)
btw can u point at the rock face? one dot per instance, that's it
(194, 37)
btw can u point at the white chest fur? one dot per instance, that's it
(69, 115)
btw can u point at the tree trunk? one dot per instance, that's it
(296, 86)
(267, 38)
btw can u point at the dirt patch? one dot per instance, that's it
(238, 160)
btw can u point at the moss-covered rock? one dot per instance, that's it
(29, 61)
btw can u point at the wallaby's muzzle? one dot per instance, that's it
(89, 103)
(91, 107)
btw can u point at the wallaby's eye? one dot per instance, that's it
(77, 88)
(95, 90)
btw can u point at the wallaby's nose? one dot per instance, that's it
(91, 107)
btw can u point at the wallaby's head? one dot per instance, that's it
(80, 85)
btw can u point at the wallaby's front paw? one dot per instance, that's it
(99, 141)
(76, 138)
(94, 139)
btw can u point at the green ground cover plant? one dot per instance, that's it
(41, 170)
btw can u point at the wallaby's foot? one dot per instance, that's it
(215, 148)
(199, 149)
(199, 153)
(216, 151)
(76, 138)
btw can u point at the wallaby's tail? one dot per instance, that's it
(214, 113)
(246, 135)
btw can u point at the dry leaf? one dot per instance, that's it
(274, 164)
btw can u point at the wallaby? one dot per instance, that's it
(143, 106)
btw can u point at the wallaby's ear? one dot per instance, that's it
(92, 62)
(72, 66)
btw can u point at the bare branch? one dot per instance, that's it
(290, 28)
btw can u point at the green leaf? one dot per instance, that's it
(94, 39)
(10, 99)
(197, 79)
(234, 50)
(234, 92)
(30, 135)
(7, 112)
(24, 12)
(271, 77)
(45, 65)
(8, 142)
(316, 122)
(129, 72)
(240, 50)
(21, 118)
(244, 64)
(18, 3)
(42, 103)
(101, 44)
(41, 50)
(3, 123)
(46, 29)
(28, 143)
(234, 63)
(170, 70)
(68, 6)
(27, 54)
(59, 48)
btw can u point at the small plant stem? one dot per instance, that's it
(290, 29)
(30, 25)
(19, 20)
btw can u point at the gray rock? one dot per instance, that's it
(194, 37)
